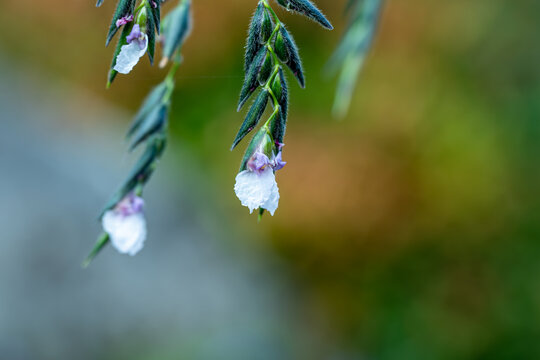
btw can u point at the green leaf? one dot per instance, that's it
(266, 69)
(156, 14)
(252, 117)
(151, 32)
(294, 63)
(308, 9)
(277, 88)
(251, 82)
(100, 244)
(280, 49)
(142, 170)
(283, 99)
(254, 40)
(153, 99)
(99, 2)
(153, 123)
(178, 27)
(124, 8)
(278, 126)
(267, 27)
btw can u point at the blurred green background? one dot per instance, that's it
(408, 230)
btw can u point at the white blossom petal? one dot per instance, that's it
(129, 56)
(273, 201)
(127, 233)
(257, 190)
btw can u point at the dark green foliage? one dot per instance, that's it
(280, 49)
(308, 9)
(177, 29)
(251, 82)
(266, 52)
(150, 123)
(266, 69)
(254, 42)
(276, 87)
(124, 8)
(150, 102)
(151, 32)
(266, 28)
(278, 125)
(99, 2)
(142, 170)
(153, 123)
(252, 117)
(152, 116)
(156, 14)
(283, 97)
(294, 63)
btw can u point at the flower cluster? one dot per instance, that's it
(256, 185)
(123, 219)
(139, 24)
(269, 48)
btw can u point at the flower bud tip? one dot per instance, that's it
(163, 62)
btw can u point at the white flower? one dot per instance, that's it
(126, 225)
(131, 53)
(257, 189)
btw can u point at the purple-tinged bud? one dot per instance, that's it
(258, 162)
(126, 224)
(137, 36)
(124, 20)
(131, 204)
(278, 162)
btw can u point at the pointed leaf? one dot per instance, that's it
(100, 244)
(250, 82)
(156, 14)
(153, 123)
(284, 98)
(124, 8)
(151, 32)
(294, 63)
(280, 49)
(252, 117)
(141, 172)
(178, 27)
(266, 69)
(308, 9)
(153, 99)
(278, 125)
(254, 40)
(267, 27)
